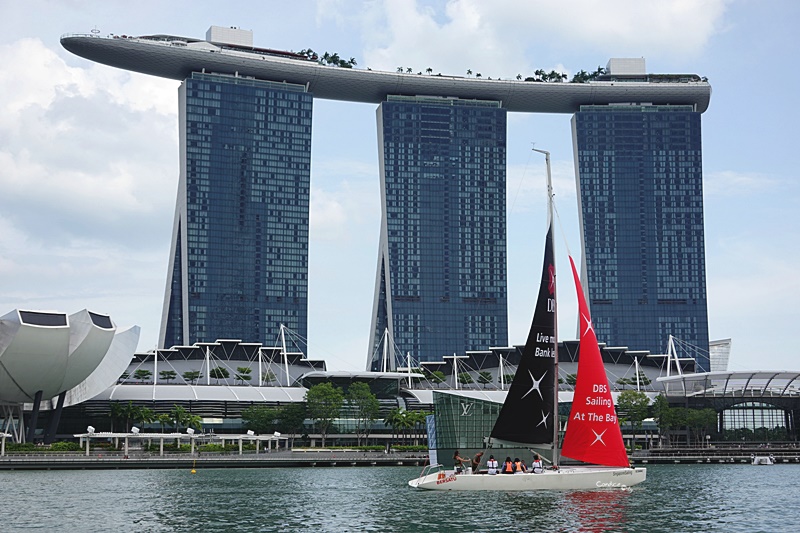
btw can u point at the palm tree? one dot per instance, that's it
(519, 77)
(192, 376)
(478, 75)
(352, 62)
(429, 70)
(393, 420)
(164, 419)
(409, 70)
(142, 374)
(179, 416)
(116, 412)
(145, 415)
(400, 70)
(270, 376)
(242, 374)
(418, 420)
(219, 373)
(167, 375)
(469, 72)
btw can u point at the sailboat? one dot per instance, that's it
(529, 416)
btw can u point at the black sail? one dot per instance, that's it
(527, 414)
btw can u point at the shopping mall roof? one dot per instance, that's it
(750, 384)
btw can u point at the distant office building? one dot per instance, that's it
(239, 259)
(441, 279)
(639, 173)
(720, 355)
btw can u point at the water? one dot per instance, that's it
(730, 498)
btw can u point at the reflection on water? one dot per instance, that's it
(597, 510)
(674, 498)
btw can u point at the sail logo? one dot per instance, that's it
(466, 409)
(551, 285)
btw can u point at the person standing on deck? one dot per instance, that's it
(476, 462)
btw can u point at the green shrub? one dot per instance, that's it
(410, 448)
(65, 447)
(24, 447)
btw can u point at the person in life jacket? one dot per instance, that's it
(536, 465)
(519, 466)
(492, 465)
(508, 466)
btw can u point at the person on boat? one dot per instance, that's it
(492, 466)
(508, 466)
(476, 462)
(536, 465)
(519, 466)
(458, 462)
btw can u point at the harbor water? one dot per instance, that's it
(730, 498)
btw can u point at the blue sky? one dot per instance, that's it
(89, 159)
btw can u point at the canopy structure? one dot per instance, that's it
(86, 438)
(752, 385)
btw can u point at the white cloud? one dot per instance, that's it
(733, 183)
(72, 158)
(503, 37)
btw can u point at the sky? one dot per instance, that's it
(89, 153)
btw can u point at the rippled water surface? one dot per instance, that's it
(674, 498)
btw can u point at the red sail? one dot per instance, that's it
(593, 434)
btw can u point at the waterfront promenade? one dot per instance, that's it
(286, 459)
(308, 458)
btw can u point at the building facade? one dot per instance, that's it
(639, 177)
(441, 283)
(239, 258)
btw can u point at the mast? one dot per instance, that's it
(550, 218)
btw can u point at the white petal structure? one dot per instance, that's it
(52, 352)
(115, 362)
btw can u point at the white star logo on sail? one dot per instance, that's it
(598, 437)
(544, 419)
(535, 384)
(589, 325)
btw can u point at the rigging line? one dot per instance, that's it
(560, 225)
(522, 179)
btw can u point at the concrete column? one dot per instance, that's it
(161, 447)
(3, 446)
(192, 441)
(240, 446)
(87, 445)
(34, 420)
(55, 417)
(126, 447)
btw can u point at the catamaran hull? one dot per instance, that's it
(578, 478)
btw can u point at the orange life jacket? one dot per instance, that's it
(518, 467)
(508, 466)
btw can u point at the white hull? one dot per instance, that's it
(763, 460)
(577, 478)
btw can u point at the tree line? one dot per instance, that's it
(177, 418)
(325, 403)
(242, 374)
